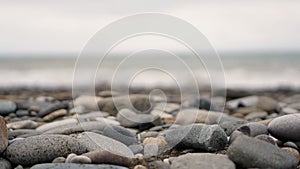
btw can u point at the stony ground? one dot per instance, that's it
(43, 129)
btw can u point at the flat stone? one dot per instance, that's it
(286, 127)
(77, 166)
(56, 124)
(189, 116)
(197, 136)
(43, 148)
(253, 153)
(3, 135)
(53, 107)
(106, 157)
(7, 107)
(203, 161)
(24, 124)
(94, 141)
(55, 114)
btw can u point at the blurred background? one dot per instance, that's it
(257, 41)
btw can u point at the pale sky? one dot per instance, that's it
(64, 26)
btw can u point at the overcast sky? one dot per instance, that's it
(64, 26)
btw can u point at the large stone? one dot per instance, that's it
(77, 166)
(137, 103)
(3, 135)
(286, 127)
(203, 161)
(94, 141)
(189, 116)
(7, 107)
(43, 148)
(197, 136)
(250, 152)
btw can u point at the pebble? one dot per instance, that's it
(256, 115)
(92, 115)
(77, 166)
(121, 134)
(189, 116)
(89, 102)
(291, 151)
(5, 164)
(266, 103)
(56, 114)
(199, 103)
(203, 161)
(248, 101)
(106, 157)
(159, 165)
(108, 93)
(266, 138)
(7, 107)
(139, 167)
(70, 157)
(43, 148)
(137, 102)
(151, 150)
(56, 124)
(136, 148)
(288, 110)
(290, 144)
(230, 126)
(286, 127)
(254, 128)
(94, 141)
(81, 160)
(128, 118)
(167, 107)
(3, 135)
(197, 136)
(24, 124)
(53, 107)
(21, 113)
(59, 160)
(253, 153)
(160, 141)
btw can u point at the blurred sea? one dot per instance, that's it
(241, 70)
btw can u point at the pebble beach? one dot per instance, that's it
(43, 129)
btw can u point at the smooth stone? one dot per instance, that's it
(286, 127)
(77, 166)
(24, 124)
(56, 114)
(197, 136)
(70, 157)
(129, 118)
(203, 161)
(146, 134)
(234, 135)
(292, 99)
(108, 121)
(189, 116)
(290, 144)
(250, 152)
(108, 93)
(5, 164)
(89, 102)
(167, 107)
(78, 110)
(7, 107)
(161, 114)
(292, 151)
(59, 160)
(53, 107)
(94, 141)
(288, 110)
(43, 148)
(78, 127)
(266, 138)
(256, 115)
(254, 128)
(81, 160)
(230, 126)
(136, 148)
(295, 106)
(121, 134)
(3, 135)
(137, 102)
(56, 124)
(92, 115)
(139, 167)
(106, 157)
(266, 103)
